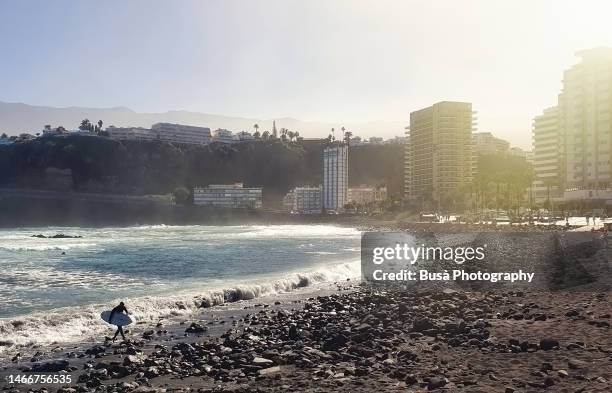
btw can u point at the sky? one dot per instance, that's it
(315, 60)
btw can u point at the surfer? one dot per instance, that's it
(118, 310)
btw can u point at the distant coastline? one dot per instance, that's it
(28, 209)
(21, 210)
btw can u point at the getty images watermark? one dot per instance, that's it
(392, 257)
(458, 255)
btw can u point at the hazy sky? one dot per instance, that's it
(340, 61)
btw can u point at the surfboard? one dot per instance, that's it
(119, 319)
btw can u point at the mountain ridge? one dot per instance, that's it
(16, 118)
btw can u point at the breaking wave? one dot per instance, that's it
(80, 324)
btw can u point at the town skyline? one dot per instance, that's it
(340, 62)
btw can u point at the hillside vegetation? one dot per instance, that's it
(99, 164)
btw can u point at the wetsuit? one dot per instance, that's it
(118, 310)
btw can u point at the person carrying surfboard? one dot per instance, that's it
(118, 310)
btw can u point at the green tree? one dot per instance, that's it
(507, 177)
(347, 137)
(86, 125)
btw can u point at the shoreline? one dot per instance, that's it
(172, 308)
(204, 323)
(359, 340)
(349, 338)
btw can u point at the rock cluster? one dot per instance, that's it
(370, 340)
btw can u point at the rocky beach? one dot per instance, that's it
(354, 337)
(362, 340)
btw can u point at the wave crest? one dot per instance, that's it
(77, 324)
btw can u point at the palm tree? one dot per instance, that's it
(548, 183)
(291, 135)
(256, 135)
(98, 127)
(332, 135)
(256, 127)
(284, 132)
(347, 137)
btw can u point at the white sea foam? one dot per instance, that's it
(107, 263)
(21, 246)
(77, 324)
(290, 231)
(46, 276)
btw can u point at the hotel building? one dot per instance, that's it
(303, 200)
(131, 133)
(223, 136)
(180, 133)
(230, 196)
(365, 194)
(166, 132)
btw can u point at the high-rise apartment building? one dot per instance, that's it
(548, 163)
(585, 110)
(572, 142)
(438, 156)
(335, 178)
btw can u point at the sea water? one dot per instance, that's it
(53, 290)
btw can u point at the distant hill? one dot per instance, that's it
(102, 165)
(17, 118)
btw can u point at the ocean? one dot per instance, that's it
(53, 290)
